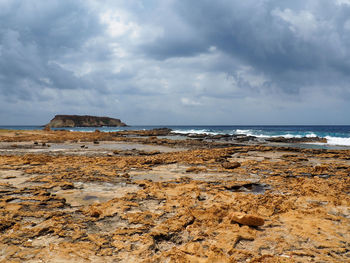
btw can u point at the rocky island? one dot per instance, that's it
(60, 121)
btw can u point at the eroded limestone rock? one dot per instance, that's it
(246, 219)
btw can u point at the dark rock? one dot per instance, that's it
(297, 140)
(67, 185)
(220, 136)
(248, 188)
(160, 132)
(153, 132)
(195, 135)
(244, 138)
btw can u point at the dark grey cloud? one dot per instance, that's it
(34, 36)
(176, 62)
(54, 26)
(283, 40)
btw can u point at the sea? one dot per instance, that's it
(338, 135)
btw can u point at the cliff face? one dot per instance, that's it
(83, 121)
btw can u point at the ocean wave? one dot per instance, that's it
(251, 133)
(310, 135)
(288, 136)
(193, 131)
(338, 140)
(259, 134)
(238, 131)
(331, 140)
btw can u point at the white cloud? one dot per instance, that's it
(343, 2)
(118, 24)
(302, 23)
(189, 102)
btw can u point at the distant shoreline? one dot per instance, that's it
(227, 134)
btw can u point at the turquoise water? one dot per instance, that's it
(335, 135)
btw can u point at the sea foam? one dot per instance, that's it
(193, 131)
(338, 140)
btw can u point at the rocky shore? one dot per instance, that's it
(155, 196)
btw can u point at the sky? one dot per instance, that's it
(176, 62)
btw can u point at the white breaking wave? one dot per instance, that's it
(193, 131)
(238, 131)
(81, 131)
(338, 140)
(288, 135)
(310, 135)
(251, 133)
(341, 141)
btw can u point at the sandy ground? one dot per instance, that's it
(101, 197)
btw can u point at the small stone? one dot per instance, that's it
(95, 213)
(47, 128)
(126, 175)
(245, 219)
(67, 185)
(231, 165)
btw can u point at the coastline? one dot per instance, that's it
(147, 196)
(334, 136)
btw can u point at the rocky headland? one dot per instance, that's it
(60, 121)
(142, 197)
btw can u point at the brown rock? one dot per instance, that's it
(109, 217)
(231, 165)
(67, 185)
(47, 128)
(95, 213)
(195, 169)
(245, 219)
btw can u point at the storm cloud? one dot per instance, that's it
(176, 62)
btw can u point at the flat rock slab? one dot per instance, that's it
(92, 193)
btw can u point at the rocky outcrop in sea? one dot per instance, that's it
(60, 121)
